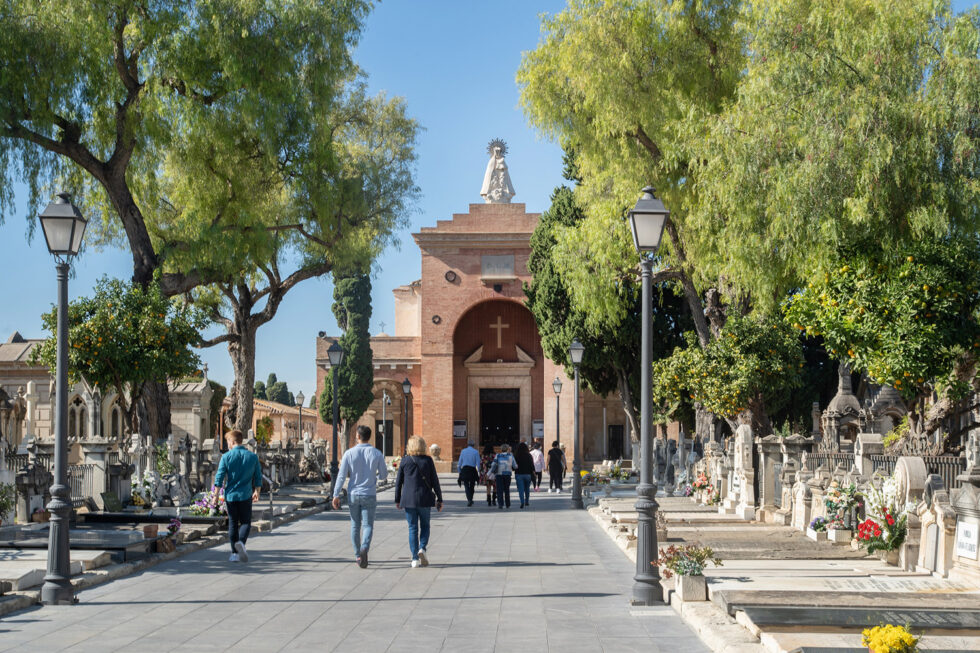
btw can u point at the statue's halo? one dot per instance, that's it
(497, 142)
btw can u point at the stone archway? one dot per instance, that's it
(497, 372)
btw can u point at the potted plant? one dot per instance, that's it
(40, 516)
(886, 523)
(7, 498)
(817, 530)
(688, 563)
(887, 638)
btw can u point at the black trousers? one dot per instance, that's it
(239, 521)
(469, 476)
(502, 482)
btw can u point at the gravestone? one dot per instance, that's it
(966, 505)
(111, 502)
(744, 473)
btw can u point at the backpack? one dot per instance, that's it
(501, 464)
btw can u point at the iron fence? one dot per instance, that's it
(80, 483)
(18, 461)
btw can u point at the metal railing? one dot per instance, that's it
(18, 461)
(80, 483)
(829, 461)
(948, 467)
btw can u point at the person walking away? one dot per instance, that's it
(417, 491)
(538, 456)
(364, 464)
(487, 475)
(503, 466)
(556, 467)
(469, 470)
(525, 472)
(240, 473)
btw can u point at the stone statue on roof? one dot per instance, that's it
(497, 188)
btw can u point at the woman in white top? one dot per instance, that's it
(538, 456)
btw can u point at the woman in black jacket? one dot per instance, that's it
(525, 472)
(417, 490)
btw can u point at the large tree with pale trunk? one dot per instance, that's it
(110, 98)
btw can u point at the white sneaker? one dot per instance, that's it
(242, 552)
(423, 558)
(415, 563)
(233, 557)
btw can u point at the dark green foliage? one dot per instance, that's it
(612, 356)
(259, 392)
(352, 308)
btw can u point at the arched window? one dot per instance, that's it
(82, 423)
(115, 421)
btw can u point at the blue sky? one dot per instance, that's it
(454, 62)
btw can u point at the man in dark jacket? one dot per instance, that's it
(417, 491)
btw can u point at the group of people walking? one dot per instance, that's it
(496, 470)
(417, 489)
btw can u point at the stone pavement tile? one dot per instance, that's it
(634, 645)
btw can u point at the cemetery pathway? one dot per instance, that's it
(542, 579)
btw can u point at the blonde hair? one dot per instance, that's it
(416, 446)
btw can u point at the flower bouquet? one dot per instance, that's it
(689, 560)
(210, 504)
(885, 525)
(711, 496)
(817, 530)
(839, 501)
(174, 526)
(142, 492)
(701, 482)
(889, 639)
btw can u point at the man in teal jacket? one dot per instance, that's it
(241, 475)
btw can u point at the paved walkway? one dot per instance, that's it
(541, 579)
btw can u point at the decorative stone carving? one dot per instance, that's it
(497, 188)
(867, 445)
(843, 415)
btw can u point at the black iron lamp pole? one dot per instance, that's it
(575, 352)
(647, 223)
(335, 353)
(407, 389)
(64, 229)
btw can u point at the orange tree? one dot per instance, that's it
(750, 369)
(908, 320)
(124, 337)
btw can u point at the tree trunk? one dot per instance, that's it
(704, 423)
(156, 398)
(629, 408)
(242, 352)
(757, 417)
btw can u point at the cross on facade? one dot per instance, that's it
(382, 326)
(499, 326)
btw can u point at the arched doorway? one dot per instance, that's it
(497, 374)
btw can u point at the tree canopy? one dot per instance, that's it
(123, 337)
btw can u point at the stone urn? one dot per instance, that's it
(839, 535)
(435, 451)
(816, 536)
(691, 588)
(889, 557)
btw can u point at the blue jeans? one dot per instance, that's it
(418, 529)
(524, 488)
(239, 521)
(362, 509)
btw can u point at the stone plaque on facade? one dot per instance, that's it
(966, 539)
(459, 429)
(497, 267)
(537, 429)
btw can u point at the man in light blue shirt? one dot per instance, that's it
(469, 470)
(365, 465)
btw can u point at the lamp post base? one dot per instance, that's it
(334, 470)
(647, 589)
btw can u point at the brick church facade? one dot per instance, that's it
(470, 348)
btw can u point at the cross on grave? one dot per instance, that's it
(499, 326)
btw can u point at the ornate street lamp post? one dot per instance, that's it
(299, 400)
(575, 352)
(407, 389)
(64, 228)
(335, 353)
(556, 384)
(647, 224)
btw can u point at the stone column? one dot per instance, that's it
(745, 473)
(94, 452)
(770, 452)
(30, 420)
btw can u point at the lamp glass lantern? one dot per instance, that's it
(63, 226)
(647, 221)
(407, 386)
(575, 352)
(335, 353)
(300, 398)
(556, 384)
